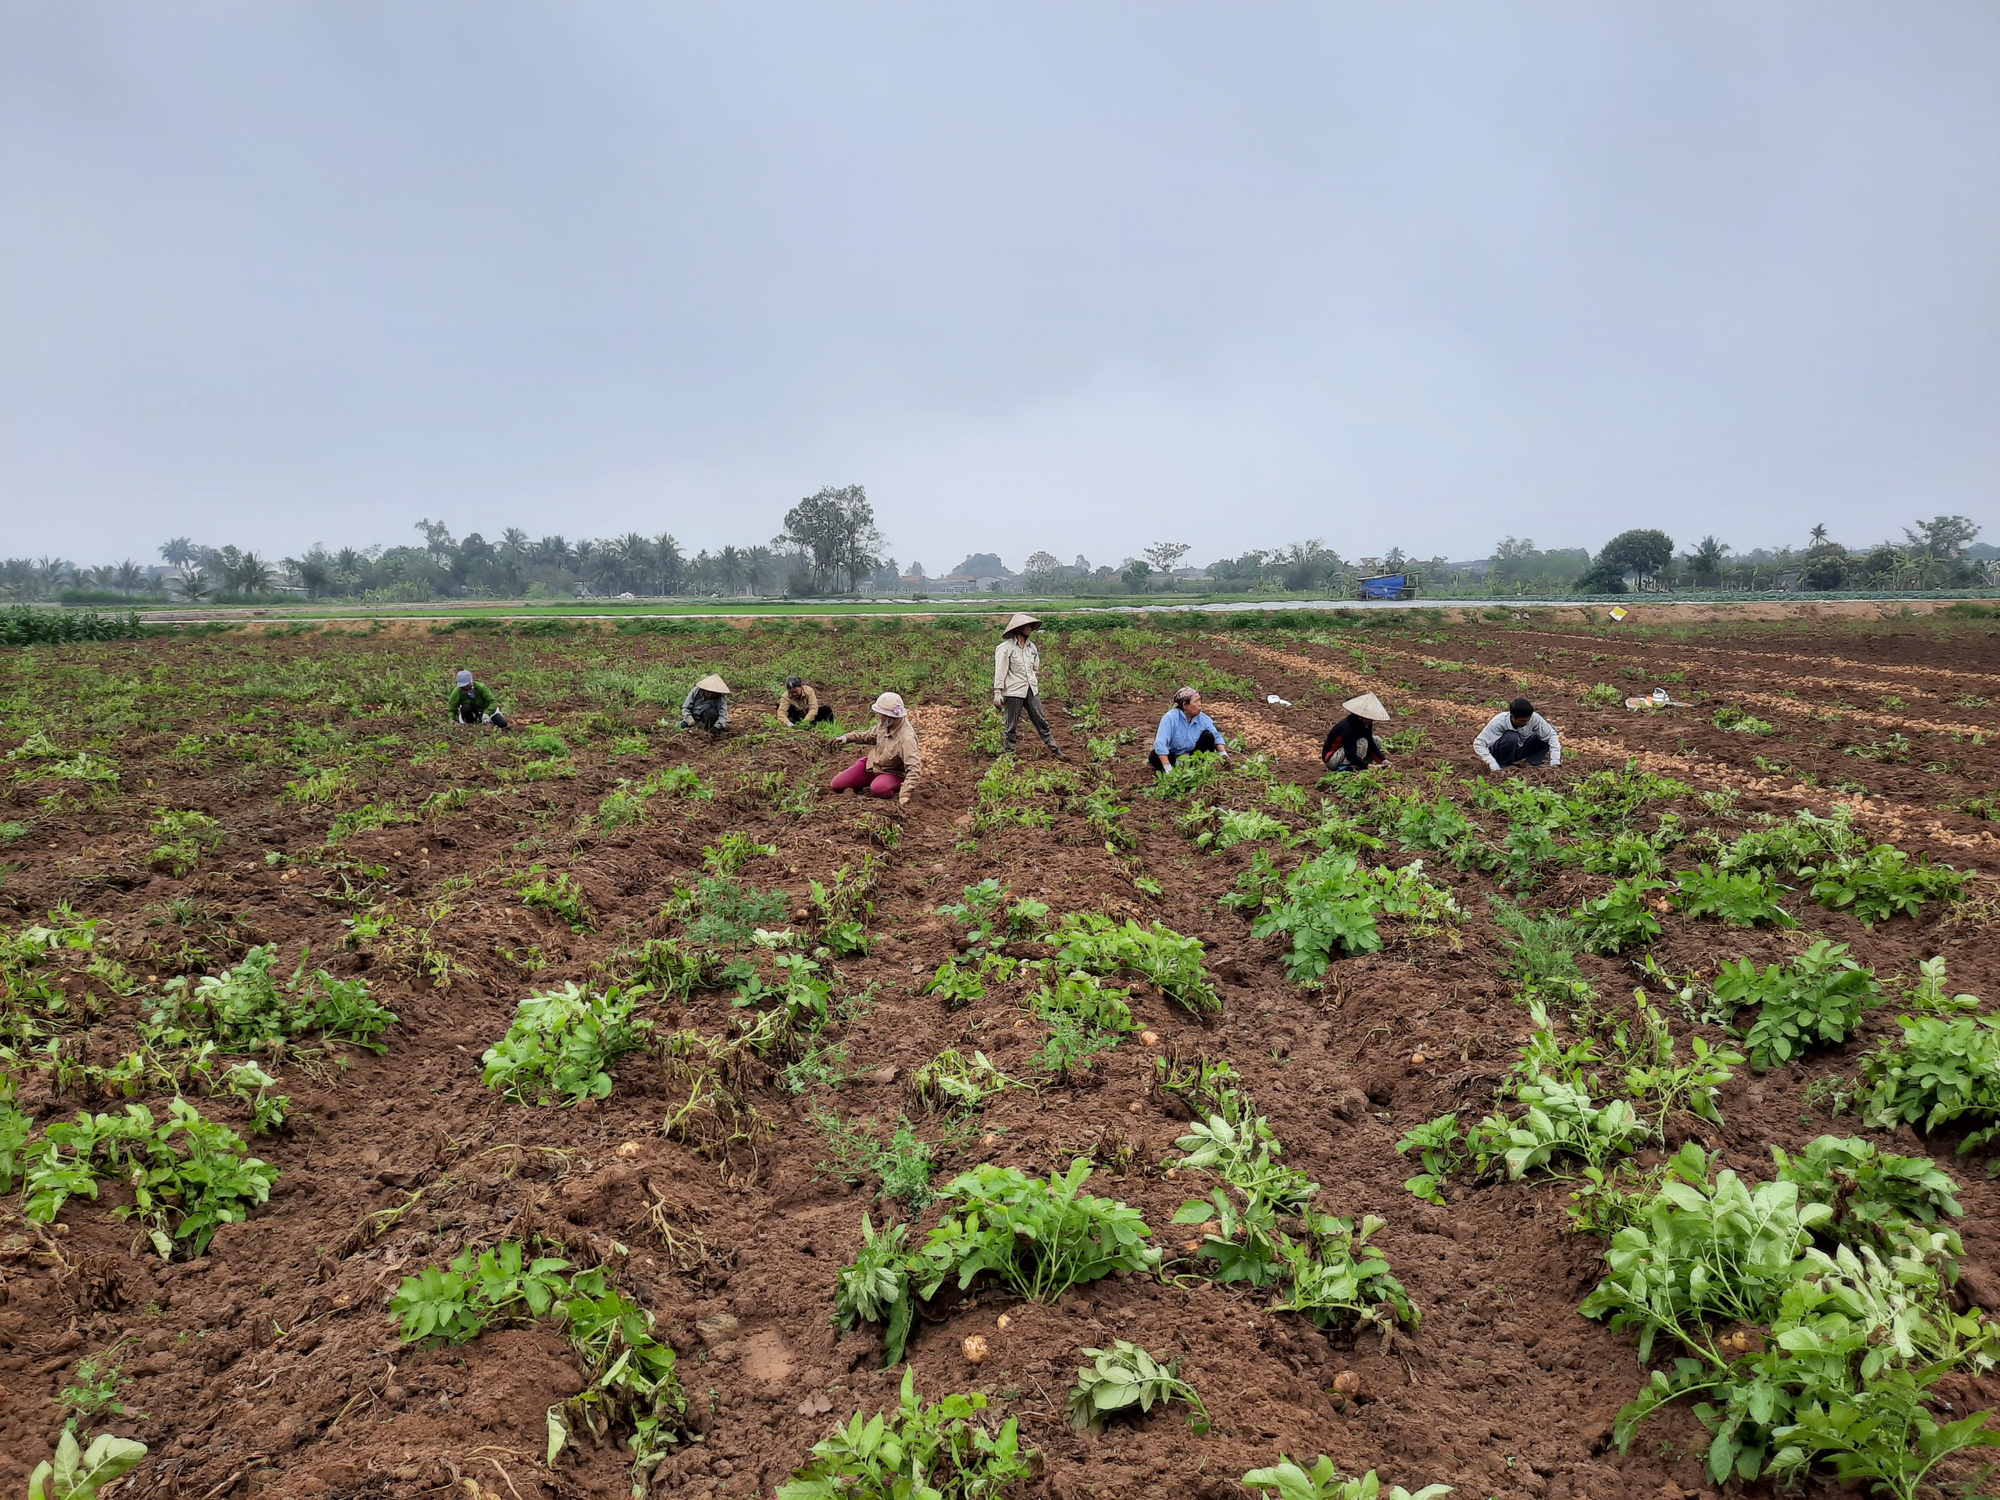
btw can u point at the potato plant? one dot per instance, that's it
(1286, 1480)
(940, 1451)
(1332, 907)
(249, 1008)
(562, 1044)
(1817, 999)
(1170, 962)
(1126, 1380)
(1036, 1237)
(631, 1375)
(1852, 1338)
(188, 1174)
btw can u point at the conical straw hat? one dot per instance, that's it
(1018, 621)
(713, 684)
(1368, 706)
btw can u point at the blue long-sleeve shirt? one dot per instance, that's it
(1178, 733)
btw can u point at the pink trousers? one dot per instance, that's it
(856, 779)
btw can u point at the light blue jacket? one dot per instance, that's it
(1178, 733)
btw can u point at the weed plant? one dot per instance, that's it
(903, 1168)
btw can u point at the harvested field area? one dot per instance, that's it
(306, 994)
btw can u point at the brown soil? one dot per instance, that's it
(271, 1364)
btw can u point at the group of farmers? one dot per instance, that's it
(892, 762)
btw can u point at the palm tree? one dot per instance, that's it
(178, 551)
(761, 568)
(668, 564)
(1707, 558)
(552, 550)
(129, 577)
(314, 571)
(631, 553)
(1819, 536)
(194, 586)
(250, 574)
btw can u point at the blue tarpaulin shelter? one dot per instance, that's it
(1390, 586)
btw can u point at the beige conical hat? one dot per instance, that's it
(1368, 706)
(713, 684)
(1018, 621)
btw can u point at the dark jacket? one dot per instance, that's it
(1358, 738)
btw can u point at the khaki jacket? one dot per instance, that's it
(805, 698)
(895, 751)
(1016, 668)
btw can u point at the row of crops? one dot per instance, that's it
(1804, 1309)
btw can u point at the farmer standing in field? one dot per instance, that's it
(1518, 737)
(800, 704)
(1017, 664)
(893, 762)
(473, 703)
(1355, 742)
(706, 705)
(1184, 729)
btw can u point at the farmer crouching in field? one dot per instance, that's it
(1184, 728)
(1017, 663)
(473, 703)
(893, 762)
(1518, 737)
(1355, 742)
(800, 704)
(706, 705)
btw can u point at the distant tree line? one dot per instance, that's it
(829, 545)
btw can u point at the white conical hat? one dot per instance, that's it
(1368, 706)
(1018, 621)
(713, 684)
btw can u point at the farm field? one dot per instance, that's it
(766, 1012)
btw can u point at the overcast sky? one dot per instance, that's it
(1073, 276)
